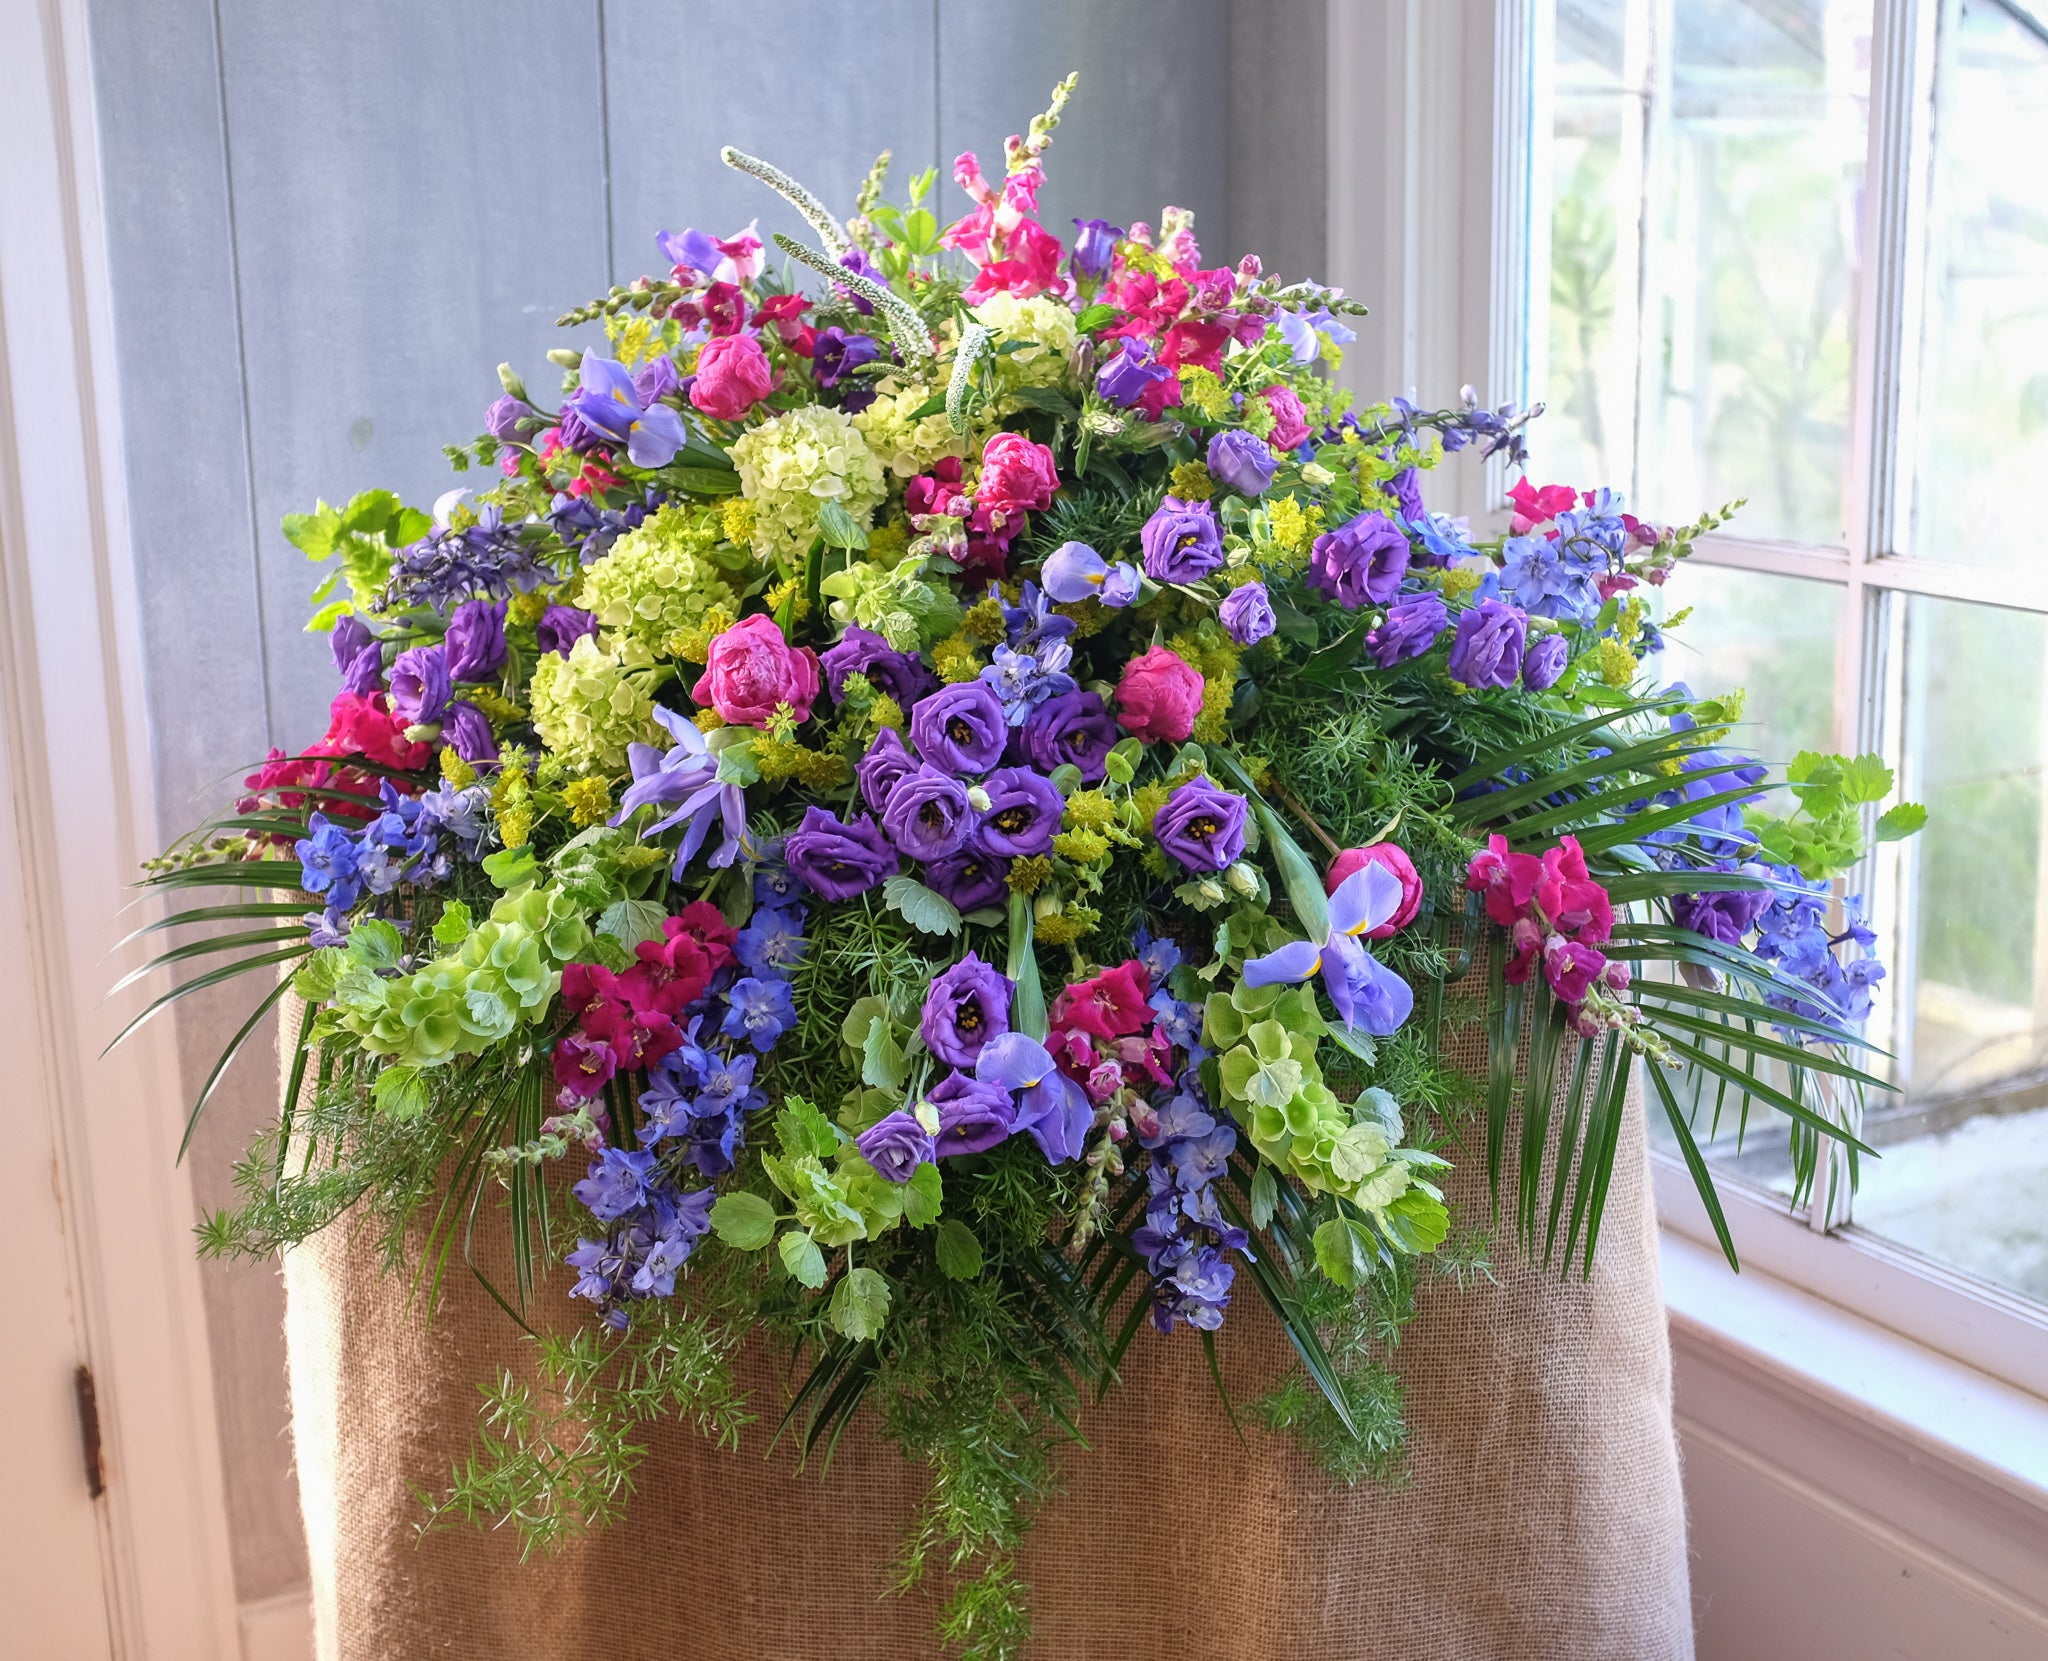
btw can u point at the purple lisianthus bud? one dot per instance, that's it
(900, 676)
(502, 419)
(366, 674)
(1544, 661)
(1182, 542)
(1406, 489)
(1023, 813)
(656, 379)
(1095, 243)
(1127, 376)
(970, 879)
(1488, 647)
(1201, 826)
(1411, 628)
(973, 1117)
(351, 635)
(928, 816)
(419, 685)
(1242, 461)
(966, 1006)
(476, 640)
(838, 861)
(1363, 559)
(962, 728)
(896, 1146)
(835, 351)
(1074, 728)
(1247, 614)
(467, 731)
(560, 627)
(877, 772)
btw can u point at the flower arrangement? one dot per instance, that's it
(947, 815)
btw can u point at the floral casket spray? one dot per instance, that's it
(952, 832)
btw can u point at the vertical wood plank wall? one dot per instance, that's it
(329, 223)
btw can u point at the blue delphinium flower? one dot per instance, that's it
(1185, 1232)
(1548, 579)
(330, 863)
(773, 941)
(759, 1011)
(457, 562)
(1024, 680)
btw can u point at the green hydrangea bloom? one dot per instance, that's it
(1046, 329)
(895, 602)
(587, 708)
(791, 465)
(658, 581)
(908, 447)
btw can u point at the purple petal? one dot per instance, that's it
(1295, 961)
(1015, 1060)
(1365, 899)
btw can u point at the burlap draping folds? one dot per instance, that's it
(1544, 1516)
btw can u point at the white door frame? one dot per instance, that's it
(76, 745)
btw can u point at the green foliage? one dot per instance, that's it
(1823, 835)
(365, 535)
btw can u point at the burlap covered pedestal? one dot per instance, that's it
(1543, 1519)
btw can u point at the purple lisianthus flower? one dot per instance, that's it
(1182, 541)
(419, 686)
(1406, 489)
(1411, 628)
(928, 816)
(1363, 559)
(1023, 813)
(961, 729)
(838, 861)
(1488, 648)
(1049, 1104)
(877, 772)
(351, 635)
(1725, 915)
(835, 351)
(1074, 572)
(1074, 728)
(1242, 461)
(502, 419)
(1201, 826)
(608, 403)
(1095, 243)
(973, 1117)
(970, 879)
(657, 379)
(467, 731)
(1544, 661)
(1247, 614)
(560, 627)
(964, 1008)
(900, 676)
(476, 640)
(896, 1146)
(1129, 374)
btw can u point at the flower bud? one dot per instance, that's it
(509, 379)
(1243, 881)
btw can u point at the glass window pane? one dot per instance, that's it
(1965, 1145)
(1984, 423)
(1705, 167)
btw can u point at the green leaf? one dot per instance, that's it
(376, 943)
(801, 1257)
(316, 978)
(802, 1129)
(1346, 1251)
(631, 921)
(860, 1304)
(882, 1066)
(705, 481)
(839, 528)
(959, 1253)
(1027, 1003)
(455, 924)
(1866, 778)
(1895, 824)
(1417, 1221)
(922, 909)
(400, 1092)
(1093, 318)
(745, 1222)
(923, 1196)
(1265, 1196)
(510, 868)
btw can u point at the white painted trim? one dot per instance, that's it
(279, 1628)
(70, 693)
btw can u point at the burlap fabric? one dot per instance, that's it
(1543, 1519)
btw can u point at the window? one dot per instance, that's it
(1796, 251)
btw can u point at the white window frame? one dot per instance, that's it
(1438, 118)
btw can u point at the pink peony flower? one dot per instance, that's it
(1396, 860)
(732, 377)
(753, 669)
(1290, 423)
(1158, 697)
(1017, 477)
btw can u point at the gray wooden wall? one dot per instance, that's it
(329, 223)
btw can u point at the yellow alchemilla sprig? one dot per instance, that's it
(1191, 482)
(589, 801)
(956, 659)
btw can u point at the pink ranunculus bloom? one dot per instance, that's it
(1158, 697)
(732, 377)
(1017, 476)
(1575, 904)
(1508, 880)
(753, 669)
(1290, 420)
(1396, 860)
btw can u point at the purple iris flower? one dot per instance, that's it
(1023, 813)
(973, 1117)
(928, 816)
(1049, 1104)
(1074, 572)
(1366, 993)
(835, 351)
(1095, 243)
(1247, 614)
(686, 780)
(609, 404)
(896, 1146)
